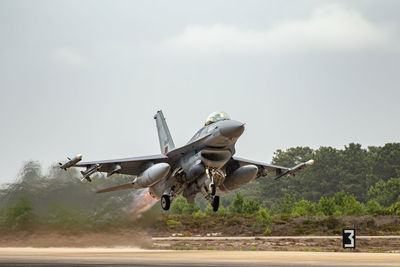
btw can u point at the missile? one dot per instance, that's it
(292, 171)
(89, 171)
(116, 168)
(70, 162)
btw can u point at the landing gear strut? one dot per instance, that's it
(213, 200)
(165, 202)
(213, 189)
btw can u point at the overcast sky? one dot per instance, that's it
(88, 76)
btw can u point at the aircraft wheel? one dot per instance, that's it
(215, 203)
(165, 202)
(213, 189)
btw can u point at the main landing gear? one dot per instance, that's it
(165, 202)
(215, 203)
(212, 199)
(170, 194)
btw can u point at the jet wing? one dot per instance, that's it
(130, 166)
(265, 168)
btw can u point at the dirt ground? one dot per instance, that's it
(131, 238)
(281, 229)
(284, 244)
(39, 239)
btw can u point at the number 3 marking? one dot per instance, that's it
(351, 237)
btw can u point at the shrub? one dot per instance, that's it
(386, 193)
(237, 204)
(250, 206)
(263, 217)
(178, 205)
(394, 209)
(326, 206)
(267, 231)
(373, 207)
(62, 218)
(351, 206)
(286, 204)
(187, 234)
(20, 215)
(190, 208)
(199, 213)
(221, 210)
(304, 207)
(175, 225)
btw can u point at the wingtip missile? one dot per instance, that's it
(310, 162)
(70, 162)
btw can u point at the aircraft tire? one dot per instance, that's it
(215, 203)
(165, 202)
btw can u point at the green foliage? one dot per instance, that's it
(349, 181)
(286, 204)
(352, 170)
(304, 207)
(267, 231)
(326, 206)
(394, 209)
(62, 218)
(250, 207)
(181, 206)
(352, 207)
(178, 205)
(199, 213)
(385, 193)
(209, 210)
(263, 217)
(237, 204)
(190, 208)
(221, 210)
(20, 215)
(174, 225)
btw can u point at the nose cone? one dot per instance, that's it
(232, 129)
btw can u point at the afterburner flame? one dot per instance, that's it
(141, 203)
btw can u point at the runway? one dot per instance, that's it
(139, 257)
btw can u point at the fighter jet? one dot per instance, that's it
(206, 164)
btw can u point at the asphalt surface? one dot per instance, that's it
(139, 257)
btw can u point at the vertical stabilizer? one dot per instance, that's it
(164, 136)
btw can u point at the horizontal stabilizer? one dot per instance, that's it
(115, 188)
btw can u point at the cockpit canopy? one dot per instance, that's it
(217, 116)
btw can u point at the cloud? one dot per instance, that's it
(68, 56)
(331, 28)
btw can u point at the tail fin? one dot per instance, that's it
(164, 136)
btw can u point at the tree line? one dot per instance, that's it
(349, 181)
